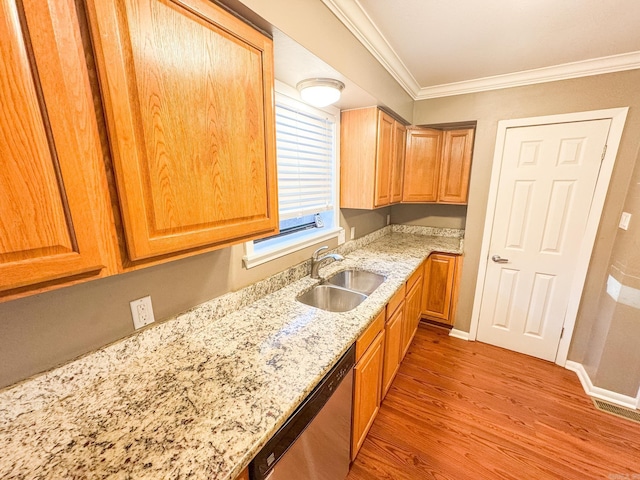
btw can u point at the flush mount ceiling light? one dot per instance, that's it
(320, 92)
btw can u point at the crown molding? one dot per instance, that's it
(595, 66)
(353, 16)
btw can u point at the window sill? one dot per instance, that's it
(297, 242)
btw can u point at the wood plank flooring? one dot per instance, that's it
(466, 410)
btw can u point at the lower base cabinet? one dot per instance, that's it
(367, 382)
(412, 308)
(440, 286)
(392, 345)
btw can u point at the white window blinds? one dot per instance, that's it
(305, 151)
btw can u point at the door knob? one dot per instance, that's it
(498, 259)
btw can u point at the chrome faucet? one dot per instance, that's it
(316, 261)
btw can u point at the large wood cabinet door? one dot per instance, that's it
(392, 348)
(456, 166)
(412, 305)
(439, 275)
(422, 165)
(384, 159)
(366, 392)
(51, 182)
(397, 170)
(188, 92)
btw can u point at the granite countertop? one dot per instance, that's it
(199, 395)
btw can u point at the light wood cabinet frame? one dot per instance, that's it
(188, 93)
(55, 222)
(372, 146)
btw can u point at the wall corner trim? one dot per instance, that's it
(597, 392)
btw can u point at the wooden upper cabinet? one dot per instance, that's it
(52, 185)
(384, 160)
(422, 165)
(371, 144)
(437, 165)
(188, 94)
(456, 166)
(397, 170)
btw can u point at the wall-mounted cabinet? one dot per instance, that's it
(371, 159)
(441, 279)
(52, 183)
(437, 165)
(186, 89)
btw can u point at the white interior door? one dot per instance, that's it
(547, 180)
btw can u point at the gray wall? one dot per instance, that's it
(42, 331)
(487, 108)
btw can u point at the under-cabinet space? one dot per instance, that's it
(187, 89)
(371, 158)
(441, 279)
(437, 165)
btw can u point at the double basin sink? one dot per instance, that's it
(342, 291)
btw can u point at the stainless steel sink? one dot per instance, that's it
(332, 298)
(357, 280)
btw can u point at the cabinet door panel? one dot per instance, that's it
(189, 107)
(422, 165)
(397, 170)
(384, 156)
(456, 166)
(392, 349)
(438, 284)
(48, 149)
(366, 393)
(411, 314)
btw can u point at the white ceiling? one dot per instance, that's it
(447, 47)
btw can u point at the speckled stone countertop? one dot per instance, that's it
(199, 395)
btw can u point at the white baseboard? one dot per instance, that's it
(459, 334)
(597, 392)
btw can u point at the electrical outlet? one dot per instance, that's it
(624, 221)
(142, 312)
(353, 233)
(388, 219)
(341, 237)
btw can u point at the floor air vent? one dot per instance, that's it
(629, 414)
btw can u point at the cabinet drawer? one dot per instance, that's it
(369, 335)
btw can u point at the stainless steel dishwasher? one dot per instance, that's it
(314, 443)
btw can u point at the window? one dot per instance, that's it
(307, 144)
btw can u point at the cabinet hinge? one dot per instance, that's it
(604, 151)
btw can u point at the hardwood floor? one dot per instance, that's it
(466, 410)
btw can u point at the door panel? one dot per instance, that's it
(547, 181)
(385, 151)
(49, 157)
(456, 166)
(397, 172)
(422, 165)
(189, 107)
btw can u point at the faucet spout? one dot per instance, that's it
(316, 261)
